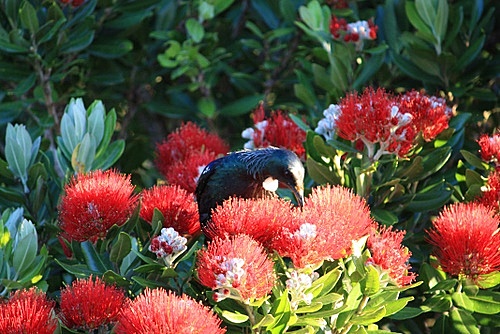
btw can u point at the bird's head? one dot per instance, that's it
(277, 167)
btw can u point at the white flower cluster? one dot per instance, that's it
(362, 28)
(306, 231)
(326, 126)
(297, 284)
(249, 133)
(168, 245)
(230, 278)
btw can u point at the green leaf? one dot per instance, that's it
(473, 159)
(113, 278)
(195, 30)
(384, 217)
(207, 107)
(439, 303)
(111, 48)
(92, 258)
(486, 302)
(469, 55)
(370, 317)
(370, 285)
(462, 300)
(463, 322)
(490, 280)
(234, 317)
(407, 313)
(113, 153)
(24, 252)
(29, 20)
(241, 106)
(121, 247)
(304, 94)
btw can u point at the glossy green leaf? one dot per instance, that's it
(28, 17)
(241, 106)
(26, 247)
(233, 317)
(385, 217)
(439, 303)
(486, 302)
(473, 159)
(407, 313)
(490, 280)
(371, 317)
(92, 258)
(463, 322)
(195, 30)
(460, 299)
(113, 153)
(111, 48)
(120, 248)
(370, 285)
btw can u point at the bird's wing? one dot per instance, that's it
(205, 176)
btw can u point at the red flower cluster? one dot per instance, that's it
(74, 3)
(277, 130)
(237, 267)
(28, 311)
(183, 155)
(466, 240)
(353, 32)
(158, 311)
(376, 116)
(89, 304)
(430, 114)
(177, 206)
(490, 195)
(93, 203)
(260, 218)
(387, 251)
(332, 217)
(490, 148)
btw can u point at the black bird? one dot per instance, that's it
(248, 174)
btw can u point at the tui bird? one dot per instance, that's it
(248, 174)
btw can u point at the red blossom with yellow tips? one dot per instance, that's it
(28, 311)
(332, 217)
(236, 267)
(159, 311)
(188, 138)
(90, 304)
(93, 202)
(177, 206)
(388, 252)
(466, 240)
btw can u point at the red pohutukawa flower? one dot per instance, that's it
(332, 217)
(28, 311)
(388, 253)
(384, 123)
(185, 173)
(261, 218)
(185, 140)
(430, 114)
(74, 3)
(277, 130)
(236, 267)
(89, 304)
(466, 240)
(355, 32)
(490, 148)
(94, 202)
(177, 206)
(158, 311)
(490, 193)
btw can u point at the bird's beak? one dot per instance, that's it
(298, 192)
